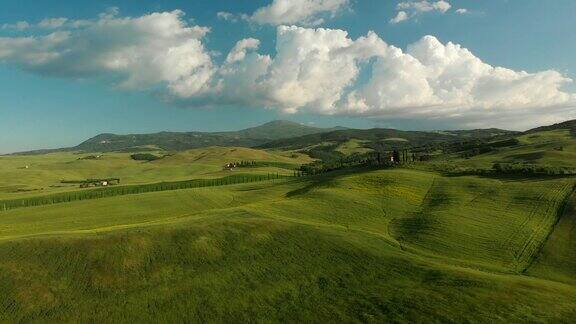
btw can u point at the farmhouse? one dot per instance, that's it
(230, 166)
(99, 182)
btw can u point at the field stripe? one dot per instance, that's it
(562, 212)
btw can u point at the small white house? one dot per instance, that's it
(230, 166)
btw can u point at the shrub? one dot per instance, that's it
(531, 169)
(144, 157)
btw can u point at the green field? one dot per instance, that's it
(354, 245)
(555, 147)
(45, 172)
(352, 146)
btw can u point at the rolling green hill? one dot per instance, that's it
(567, 125)
(277, 135)
(557, 259)
(553, 147)
(382, 139)
(364, 246)
(172, 141)
(404, 243)
(46, 171)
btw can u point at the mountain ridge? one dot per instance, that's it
(569, 125)
(178, 141)
(276, 134)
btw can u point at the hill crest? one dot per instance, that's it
(178, 141)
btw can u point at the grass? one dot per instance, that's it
(353, 146)
(45, 172)
(367, 246)
(397, 245)
(244, 269)
(554, 148)
(134, 189)
(557, 259)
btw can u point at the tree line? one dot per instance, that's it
(136, 189)
(370, 159)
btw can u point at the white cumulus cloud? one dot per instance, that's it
(318, 71)
(238, 53)
(52, 23)
(142, 51)
(228, 16)
(425, 6)
(412, 9)
(400, 17)
(21, 25)
(288, 12)
(322, 71)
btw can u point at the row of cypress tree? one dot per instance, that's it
(135, 189)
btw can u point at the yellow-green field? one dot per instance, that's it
(349, 246)
(45, 172)
(353, 146)
(554, 148)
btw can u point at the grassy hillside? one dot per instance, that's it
(370, 246)
(380, 138)
(353, 146)
(402, 244)
(45, 172)
(173, 141)
(548, 147)
(567, 125)
(558, 257)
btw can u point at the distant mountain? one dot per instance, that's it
(275, 134)
(480, 133)
(569, 125)
(177, 141)
(277, 130)
(385, 138)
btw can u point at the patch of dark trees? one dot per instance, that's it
(531, 169)
(90, 157)
(333, 160)
(149, 157)
(476, 147)
(506, 169)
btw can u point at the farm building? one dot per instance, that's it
(99, 182)
(230, 166)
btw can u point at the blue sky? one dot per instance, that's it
(53, 94)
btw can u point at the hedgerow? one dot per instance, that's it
(135, 189)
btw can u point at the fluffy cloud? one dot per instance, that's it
(238, 53)
(322, 71)
(52, 23)
(425, 6)
(48, 23)
(298, 12)
(21, 25)
(411, 9)
(228, 16)
(400, 17)
(319, 71)
(142, 52)
(447, 81)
